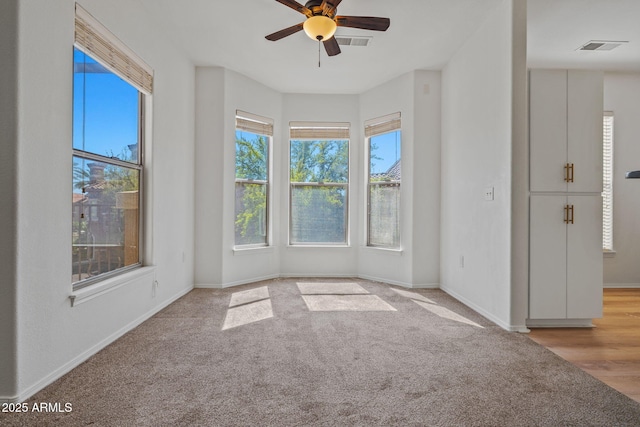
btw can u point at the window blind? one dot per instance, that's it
(97, 41)
(254, 123)
(319, 130)
(607, 182)
(380, 125)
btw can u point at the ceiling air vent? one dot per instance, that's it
(601, 45)
(353, 40)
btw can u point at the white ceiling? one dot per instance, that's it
(423, 34)
(556, 28)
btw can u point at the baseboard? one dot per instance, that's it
(327, 276)
(560, 323)
(208, 286)
(398, 283)
(67, 367)
(622, 285)
(236, 283)
(481, 311)
(426, 286)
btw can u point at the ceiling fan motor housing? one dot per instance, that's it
(323, 20)
(315, 6)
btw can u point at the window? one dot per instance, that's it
(319, 183)
(607, 182)
(253, 136)
(383, 181)
(109, 87)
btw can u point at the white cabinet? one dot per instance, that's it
(565, 235)
(565, 257)
(565, 119)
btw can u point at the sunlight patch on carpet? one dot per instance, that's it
(446, 313)
(346, 303)
(251, 295)
(248, 313)
(414, 296)
(348, 288)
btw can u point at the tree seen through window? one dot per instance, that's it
(319, 177)
(252, 151)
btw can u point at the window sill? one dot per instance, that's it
(293, 247)
(90, 292)
(608, 254)
(397, 252)
(252, 251)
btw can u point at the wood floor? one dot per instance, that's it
(611, 350)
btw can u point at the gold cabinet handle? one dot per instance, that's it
(568, 172)
(568, 214)
(571, 213)
(571, 176)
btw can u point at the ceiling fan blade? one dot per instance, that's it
(284, 33)
(364, 22)
(331, 46)
(296, 6)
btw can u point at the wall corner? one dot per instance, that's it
(519, 166)
(8, 194)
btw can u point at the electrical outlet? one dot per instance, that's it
(488, 193)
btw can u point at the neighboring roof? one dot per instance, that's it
(394, 172)
(95, 186)
(78, 197)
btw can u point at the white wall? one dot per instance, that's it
(426, 178)
(378, 264)
(8, 192)
(53, 337)
(219, 94)
(622, 96)
(476, 153)
(416, 95)
(209, 176)
(320, 261)
(247, 95)
(519, 169)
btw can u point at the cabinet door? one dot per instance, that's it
(548, 262)
(584, 130)
(548, 129)
(584, 258)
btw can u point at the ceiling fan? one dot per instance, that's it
(322, 21)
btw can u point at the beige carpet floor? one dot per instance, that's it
(368, 355)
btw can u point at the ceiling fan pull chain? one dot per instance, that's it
(318, 53)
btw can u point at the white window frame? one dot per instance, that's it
(97, 42)
(372, 128)
(262, 126)
(607, 182)
(320, 131)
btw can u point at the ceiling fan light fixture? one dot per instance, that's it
(320, 27)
